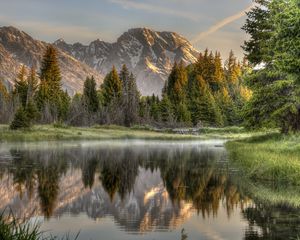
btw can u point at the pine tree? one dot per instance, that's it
(130, 97)
(203, 107)
(274, 43)
(259, 27)
(218, 76)
(90, 96)
(166, 110)
(111, 88)
(32, 84)
(21, 120)
(154, 108)
(21, 86)
(50, 93)
(228, 107)
(177, 83)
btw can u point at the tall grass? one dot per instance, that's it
(62, 132)
(272, 157)
(12, 229)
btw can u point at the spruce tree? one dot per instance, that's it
(111, 88)
(203, 107)
(32, 84)
(21, 120)
(50, 93)
(274, 43)
(130, 97)
(90, 96)
(21, 86)
(166, 110)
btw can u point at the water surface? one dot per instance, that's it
(137, 190)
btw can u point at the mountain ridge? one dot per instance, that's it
(149, 54)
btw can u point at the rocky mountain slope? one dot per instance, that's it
(150, 55)
(17, 48)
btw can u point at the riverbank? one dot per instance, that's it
(60, 132)
(271, 157)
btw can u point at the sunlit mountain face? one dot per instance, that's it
(136, 190)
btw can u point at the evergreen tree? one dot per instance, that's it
(50, 92)
(21, 120)
(203, 107)
(176, 90)
(130, 97)
(90, 96)
(274, 44)
(260, 29)
(177, 83)
(153, 102)
(21, 86)
(111, 88)
(228, 107)
(218, 80)
(32, 84)
(166, 110)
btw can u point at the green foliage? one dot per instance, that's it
(90, 96)
(21, 120)
(111, 88)
(13, 229)
(272, 157)
(21, 86)
(50, 92)
(177, 83)
(130, 97)
(259, 27)
(274, 29)
(203, 107)
(166, 110)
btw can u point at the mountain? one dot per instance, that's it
(17, 48)
(149, 54)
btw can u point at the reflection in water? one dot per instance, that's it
(144, 187)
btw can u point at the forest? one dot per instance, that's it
(262, 90)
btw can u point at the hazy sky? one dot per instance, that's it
(215, 24)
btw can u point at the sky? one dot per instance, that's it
(213, 24)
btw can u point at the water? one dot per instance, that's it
(137, 190)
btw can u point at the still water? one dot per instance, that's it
(137, 190)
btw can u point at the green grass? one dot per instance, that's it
(62, 132)
(12, 229)
(270, 157)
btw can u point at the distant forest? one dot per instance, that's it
(206, 93)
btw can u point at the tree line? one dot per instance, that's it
(205, 93)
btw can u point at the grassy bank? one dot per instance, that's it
(52, 132)
(12, 229)
(270, 157)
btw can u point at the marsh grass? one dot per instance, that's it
(14, 229)
(270, 157)
(62, 132)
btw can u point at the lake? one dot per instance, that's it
(138, 190)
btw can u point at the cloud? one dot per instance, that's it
(50, 31)
(129, 4)
(220, 25)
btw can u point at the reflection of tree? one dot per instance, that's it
(119, 171)
(30, 166)
(110, 179)
(88, 172)
(189, 174)
(278, 223)
(48, 179)
(23, 172)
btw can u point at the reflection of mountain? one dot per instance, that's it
(144, 187)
